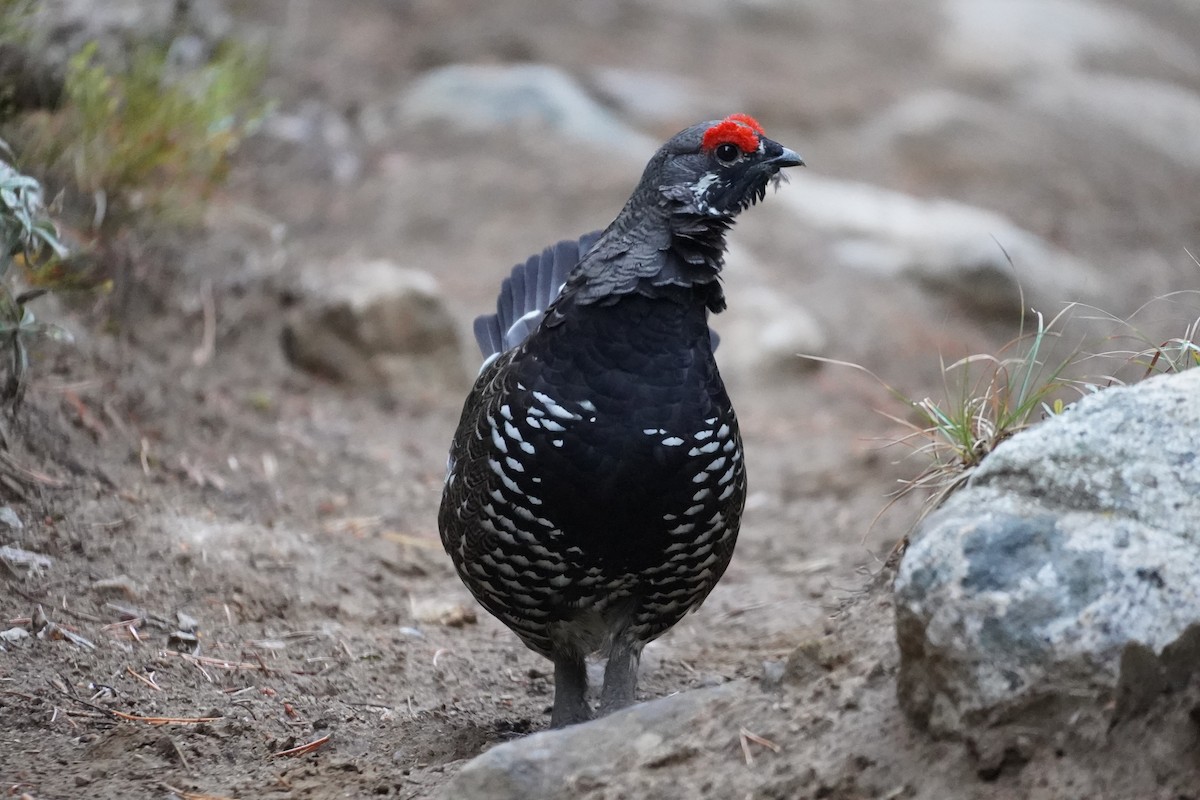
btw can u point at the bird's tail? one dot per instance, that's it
(527, 293)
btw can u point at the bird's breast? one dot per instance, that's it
(606, 448)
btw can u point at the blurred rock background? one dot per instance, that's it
(455, 136)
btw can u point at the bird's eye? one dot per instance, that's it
(727, 153)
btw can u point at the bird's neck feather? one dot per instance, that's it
(654, 251)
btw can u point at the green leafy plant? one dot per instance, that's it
(27, 236)
(14, 20)
(151, 138)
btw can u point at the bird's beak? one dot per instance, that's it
(788, 158)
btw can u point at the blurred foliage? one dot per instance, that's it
(28, 238)
(14, 20)
(148, 141)
(22, 83)
(132, 148)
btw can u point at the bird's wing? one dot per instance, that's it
(526, 294)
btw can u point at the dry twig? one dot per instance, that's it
(162, 720)
(424, 542)
(144, 679)
(304, 748)
(86, 418)
(19, 476)
(209, 661)
(204, 352)
(745, 737)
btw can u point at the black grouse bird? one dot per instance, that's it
(596, 482)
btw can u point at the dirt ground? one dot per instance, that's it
(290, 522)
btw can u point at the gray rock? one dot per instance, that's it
(764, 330)
(17, 556)
(325, 134)
(1139, 152)
(1161, 116)
(376, 324)
(13, 635)
(658, 98)
(1006, 38)
(947, 246)
(534, 98)
(9, 519)
(63, 27)
(733, 11)
(1068, 567)
(566, 763)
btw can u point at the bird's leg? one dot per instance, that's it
(620, 675)
(570, 691)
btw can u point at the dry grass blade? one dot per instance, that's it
(987, 398)
(219, 663)
(26, 476)
(300, 750)
(162, 720)
(1150, 353)
(412, 541)
(208, 342)
(980, 411)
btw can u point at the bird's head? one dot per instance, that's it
(719, 168)
(671, 233)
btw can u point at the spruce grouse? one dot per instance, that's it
(596, 482)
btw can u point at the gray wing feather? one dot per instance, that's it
(487, 333)
(526, 294)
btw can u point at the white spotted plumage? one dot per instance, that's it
(600, 394)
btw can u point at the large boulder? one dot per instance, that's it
(583, 758)
(765, 329)
(1060, 589)
(974, 255)
(63, 27)
(378, 325)
(33, 67)
(533, 98)
(1009, 38)
(655, 99)
(1160, 116)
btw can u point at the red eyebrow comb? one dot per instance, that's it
(749, 121)
(739, 129)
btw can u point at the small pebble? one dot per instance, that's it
(14, 634)
(120, 585)
(9, 519)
